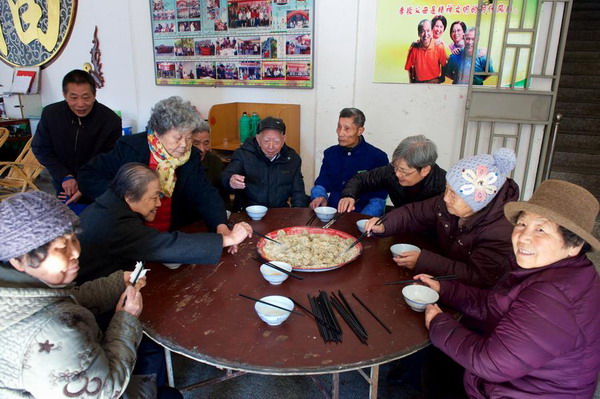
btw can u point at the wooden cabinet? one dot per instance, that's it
(224, 122)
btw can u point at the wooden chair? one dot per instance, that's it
(3, 135)
(18, 176)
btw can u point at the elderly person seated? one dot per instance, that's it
(265, 171)
(541, 325)
(352, 155)
(468, 219)
(51, 344)
(114, 235)
(213, 165)
(412, 176)
(186, 193)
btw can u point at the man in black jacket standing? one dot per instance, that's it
(73, 131)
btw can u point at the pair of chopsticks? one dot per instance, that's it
(363, 235)
(312, 219)
(279, 268)
(439, 278)
(334, 219)
(270, 304)
(343, 308)
(267, 238)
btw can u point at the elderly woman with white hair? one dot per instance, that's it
(186, 193)
(541, 325)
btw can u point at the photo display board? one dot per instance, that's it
(236, 43)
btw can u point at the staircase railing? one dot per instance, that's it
(552, 143)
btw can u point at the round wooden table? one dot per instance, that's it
(196, 310)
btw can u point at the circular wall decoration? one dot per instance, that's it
(33, 32)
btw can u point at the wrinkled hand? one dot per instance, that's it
(371, 228)
(317, 202)
(407, 259)
(429, 281)
(70, 186)
(346, 204)
(430, 312)
(133, 303)
(237, 182)
(69, 199)
(139, 284)
(235, 236)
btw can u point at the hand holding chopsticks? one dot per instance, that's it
(270, 304)
(439, 278)
(365, 234)
(279, 268)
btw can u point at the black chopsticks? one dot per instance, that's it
(317, 318)
(312, 219)
(372, 314)
(265, 237)
(439, 278)
(363, 235)
(334, 219)
(270, 304)
(279, 268)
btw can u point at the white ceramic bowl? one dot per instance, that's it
(325, 213)
(274, 276)
(172, 265)
(419, 296)
(361, 224)
(397, 249)
(270, 315)
(256, 212)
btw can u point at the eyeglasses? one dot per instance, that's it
(403, 172)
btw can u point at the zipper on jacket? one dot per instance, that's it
(79, 126)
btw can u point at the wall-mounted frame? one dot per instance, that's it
(233, 43)
(33, 33)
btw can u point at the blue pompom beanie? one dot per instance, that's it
(477, 179)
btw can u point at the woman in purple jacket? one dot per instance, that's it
(541, 325)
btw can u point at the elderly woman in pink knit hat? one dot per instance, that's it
(540, 325)
(467, 219)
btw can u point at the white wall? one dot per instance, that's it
(344, 52)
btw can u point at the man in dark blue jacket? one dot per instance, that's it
(73, 131)
(341, 162)
(265, 171)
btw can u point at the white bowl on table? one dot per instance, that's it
(172, 265)
(397, 249)
(271, 315)
(325, 213)
(419, 296)
(256, 212)
(360, 224)
(274, 276)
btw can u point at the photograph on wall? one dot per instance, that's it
(233, 42)
(434, 41)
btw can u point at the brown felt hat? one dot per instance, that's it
(566, 204)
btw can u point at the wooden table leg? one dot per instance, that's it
(374, 382)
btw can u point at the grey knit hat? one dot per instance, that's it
(31, 219)
(478, 179)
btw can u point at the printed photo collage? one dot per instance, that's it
(233, 42)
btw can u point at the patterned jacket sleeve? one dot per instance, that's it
(101, 295)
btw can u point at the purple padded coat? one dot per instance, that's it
(477, 252)
(541, 334)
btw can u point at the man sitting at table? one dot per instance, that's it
(72, 132)
(114, 235)
(412, 176)
(341, 162)
(265, 171)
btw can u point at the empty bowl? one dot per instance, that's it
(419, 296)
(274, 276)
(397, 249)
(361, 225)
(172, 265)
(270, 315)
(325, 213)
(256, 212)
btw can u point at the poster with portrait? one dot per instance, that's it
(433, 41)
(233, 42)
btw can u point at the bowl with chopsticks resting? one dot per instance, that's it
(274, 276)
(256, 212)
(419, 296)
(325, 213)
(271, 315)
(397, 249)
(360, 224)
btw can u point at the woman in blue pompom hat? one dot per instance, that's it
(468, 220)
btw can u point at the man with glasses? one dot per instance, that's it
(412, 176)
(265, 171)
(352, 156)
